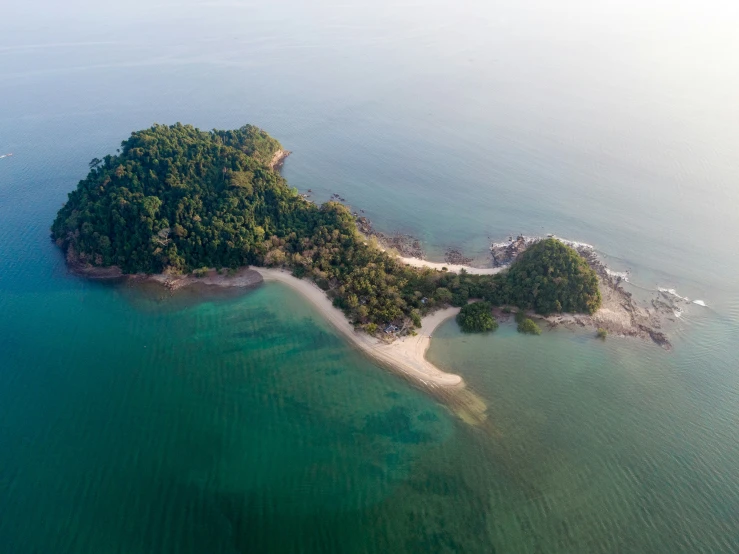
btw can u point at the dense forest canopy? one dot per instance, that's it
(550, 277)
(177, 199)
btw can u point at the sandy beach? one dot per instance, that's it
(456, 268)
(405, 355)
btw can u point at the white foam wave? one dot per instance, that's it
(699, 302)
(674, 293)
(623, 275)
(531, 240)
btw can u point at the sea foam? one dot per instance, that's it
(623, 275)
(674, 293)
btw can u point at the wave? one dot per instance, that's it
(529, 240)
(623, 275)
(674, 293)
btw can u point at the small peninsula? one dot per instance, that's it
(176, 201)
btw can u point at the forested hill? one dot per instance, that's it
(179, 198)
(176, 199)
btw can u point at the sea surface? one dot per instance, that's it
(135, 422)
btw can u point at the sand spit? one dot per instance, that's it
(405, 355)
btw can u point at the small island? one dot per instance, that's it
(176, 202)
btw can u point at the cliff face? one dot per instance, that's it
(278, 160)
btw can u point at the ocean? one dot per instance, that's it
(132, 421)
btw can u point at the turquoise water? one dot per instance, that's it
(134, 422)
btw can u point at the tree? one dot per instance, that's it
(416, 318)
(443, 295)
(552, 277)
(528, 327)
(477, 318)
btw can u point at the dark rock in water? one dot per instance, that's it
(505, 253)
(454, 256)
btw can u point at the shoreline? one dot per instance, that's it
(405, 355)
(278, 160)
(454, 268)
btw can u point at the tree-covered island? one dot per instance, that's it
(176, 199)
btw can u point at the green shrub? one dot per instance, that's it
(477, 318)
(416, 317)
(601, 333)
(528, 327)
(200, 272)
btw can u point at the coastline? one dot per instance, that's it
(278, 160)
(405, 355)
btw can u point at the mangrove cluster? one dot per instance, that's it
(176, 199)
(477, 317)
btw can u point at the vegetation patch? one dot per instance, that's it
(550, 277)
(526, 325)
(477, 318)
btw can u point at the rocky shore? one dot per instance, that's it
(406, 245)
(620, 313)
(243, 277)
(278, 160)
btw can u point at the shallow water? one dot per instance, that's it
(138, 422)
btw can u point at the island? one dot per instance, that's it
(178, 205)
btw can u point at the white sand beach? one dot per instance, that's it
(456, 268)
(405, 355)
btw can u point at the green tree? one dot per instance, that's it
(528, 327)
(477, 318)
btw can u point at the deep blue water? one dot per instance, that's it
(134, 423)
